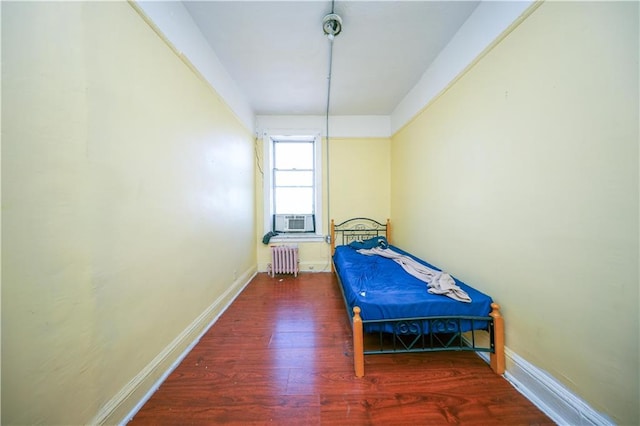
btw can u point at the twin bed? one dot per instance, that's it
(395, 311)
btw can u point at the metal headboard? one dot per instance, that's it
(358, 229)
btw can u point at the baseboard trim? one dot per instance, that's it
(303, 267)
(143, 383)
(550, 396)
(315, 266)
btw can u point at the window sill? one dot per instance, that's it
(296, 238)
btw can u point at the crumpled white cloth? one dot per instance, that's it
(437, 282)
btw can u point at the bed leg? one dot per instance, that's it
(497, 356)
(358, 343)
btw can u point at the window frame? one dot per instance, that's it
(268, 210)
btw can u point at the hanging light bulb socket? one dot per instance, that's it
(332, 25)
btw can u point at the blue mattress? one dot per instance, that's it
(383, 290)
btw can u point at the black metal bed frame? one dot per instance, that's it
(416, 334)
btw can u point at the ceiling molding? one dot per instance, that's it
(349, 126)
(485, 25)
(182, 34)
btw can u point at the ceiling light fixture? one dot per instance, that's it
(332, 25)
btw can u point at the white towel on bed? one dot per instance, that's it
(437, 282)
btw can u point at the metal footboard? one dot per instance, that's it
(429, 334)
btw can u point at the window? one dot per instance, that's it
(293, 176)
(292, 184)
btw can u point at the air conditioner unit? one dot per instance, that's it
(294, 223)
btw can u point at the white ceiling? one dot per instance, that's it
(278, 56)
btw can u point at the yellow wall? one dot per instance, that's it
(127, 208)
(522, 180)
(360, 178)
(359, 185)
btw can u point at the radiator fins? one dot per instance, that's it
(284, 260)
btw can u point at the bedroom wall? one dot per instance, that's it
(360, 182)
(359, 185)
(127, 210)
(522, 180)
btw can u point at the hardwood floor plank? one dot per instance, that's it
(237, 410)
(282, 354)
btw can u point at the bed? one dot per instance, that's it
(392, 311)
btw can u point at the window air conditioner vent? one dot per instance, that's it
(294, 223)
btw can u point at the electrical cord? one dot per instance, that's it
(328, 139)
(327, 135)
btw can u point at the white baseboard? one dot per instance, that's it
(549, 395)
(315, 267)
(138, 391)
(302, 266)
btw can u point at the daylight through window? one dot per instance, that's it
(292, 184)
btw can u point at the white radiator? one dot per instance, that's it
(284, 260)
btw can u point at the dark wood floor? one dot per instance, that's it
(281, 354)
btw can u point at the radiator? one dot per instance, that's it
(284, 260)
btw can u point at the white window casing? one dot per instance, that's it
(268, 143)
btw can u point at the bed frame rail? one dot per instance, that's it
(430, 334)
(425, 334)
